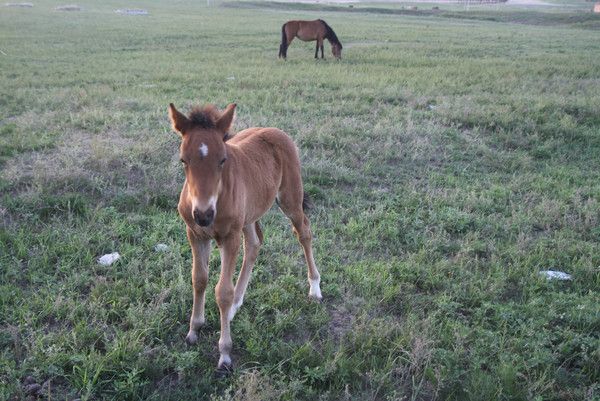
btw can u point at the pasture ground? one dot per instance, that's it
(450, 156)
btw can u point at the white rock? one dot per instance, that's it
(161, 247)
(109, 258)
(555, 275)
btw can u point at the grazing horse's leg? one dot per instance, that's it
(200, 254)
(252, 242)
(224, 291)
(320, 45)
(289, 42)
(291, 204)
(317, 50)
(286, 39)
(283, 47)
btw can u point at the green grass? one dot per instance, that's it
(450, 158)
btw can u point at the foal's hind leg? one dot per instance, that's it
(252, 242)
(291, 205)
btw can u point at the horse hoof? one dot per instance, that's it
(191, 338)
(223, 371)
(315, 298)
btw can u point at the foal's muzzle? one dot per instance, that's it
(205, 218)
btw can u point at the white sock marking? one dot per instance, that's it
(315, 289)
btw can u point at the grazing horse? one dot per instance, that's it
(308, 31)
(230, 183)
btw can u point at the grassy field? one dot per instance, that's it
(451, 158)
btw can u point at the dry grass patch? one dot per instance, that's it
(102, 166)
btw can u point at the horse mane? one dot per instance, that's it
(330, 35)
(204, 117)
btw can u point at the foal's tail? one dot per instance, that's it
(284, 44)
(307, 203)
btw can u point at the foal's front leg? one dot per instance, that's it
(224, 291)
(252, 242)
(200, 254)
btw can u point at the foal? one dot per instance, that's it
(230, 183)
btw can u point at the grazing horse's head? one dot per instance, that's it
(336, 49)
(203, 154)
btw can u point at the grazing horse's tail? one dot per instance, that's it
(307, 203)
(330, 35)
(284, 44)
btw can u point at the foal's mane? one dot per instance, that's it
(330, 35)
(204, 117)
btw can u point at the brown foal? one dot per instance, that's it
(230, 183)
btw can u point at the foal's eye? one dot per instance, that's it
(222, 162)
(183, 162)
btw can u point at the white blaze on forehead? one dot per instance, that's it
(203, 150)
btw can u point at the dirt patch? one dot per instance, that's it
(68, 7)
(132, 11)
(343, 317)
(341, 321)
(24, 5)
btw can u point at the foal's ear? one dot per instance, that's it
(224, 122)
(179, 122)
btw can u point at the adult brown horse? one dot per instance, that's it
(230, 183)
(308, 31)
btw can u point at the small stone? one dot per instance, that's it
(555, 275)
(161, 247)
(109, 259)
